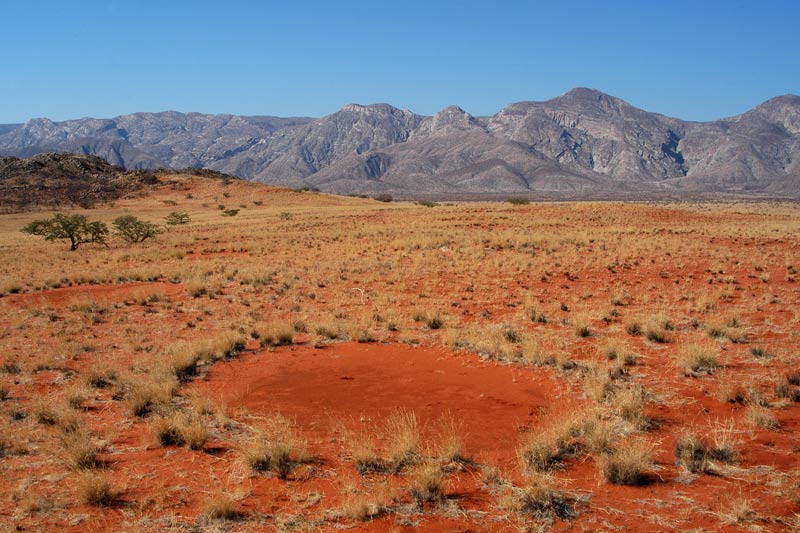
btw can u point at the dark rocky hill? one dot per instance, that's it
(54, 180)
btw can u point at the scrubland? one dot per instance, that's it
(321, 362)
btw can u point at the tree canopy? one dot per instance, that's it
(73, 228)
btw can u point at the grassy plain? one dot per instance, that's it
(316, 362)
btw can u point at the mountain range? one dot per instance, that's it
(582, 144)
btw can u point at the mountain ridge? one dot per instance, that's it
(583, 141)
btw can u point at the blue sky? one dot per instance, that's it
(697, 60)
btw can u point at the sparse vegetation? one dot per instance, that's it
(565, 332)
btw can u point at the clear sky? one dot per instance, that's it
(697, 60)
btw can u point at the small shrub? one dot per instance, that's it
(536, 315)
(730, 330)
(761, 353)
(328, 331)
(518, 200)
(101, 378)
(230, 212)
(511, 335)
(692, 454)
(400, 433)
(363, 505)
(629, 403)
(538, 453)
(177, 218)
(449, 444)
(10, 367)
(656, 330)
(146, 394)
(384, 198)
(271, 335)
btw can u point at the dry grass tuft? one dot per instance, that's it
(541, 451)
(101, 377)
(181, 429)
(401, 432)
(151, 392)
(449, 446)
(273, 335)
(539, 500)
(222, 506)
(657, 329)
(94, 489)
(80, 450)
(428, 483)
(697, 359)
(275, 447)
(760, 416)
(364, 505)
(629, 403)
(628, 464)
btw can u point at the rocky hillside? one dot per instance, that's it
(582, 144)
(51, 180)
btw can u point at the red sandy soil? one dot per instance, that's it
(353, 383)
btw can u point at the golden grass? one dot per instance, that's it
(274, 447)
(515, 289)
(538, 499)
(760, 416)
(80, 450)
(697, 358)
(222, 506)
(363, 505)
(94, 489)
(427, 483)
(401, 432)
(630, 463)
(181, 429)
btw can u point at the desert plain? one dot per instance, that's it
(320, 362)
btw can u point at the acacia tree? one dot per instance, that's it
(131, 229)
(73, 228)
(177, 218)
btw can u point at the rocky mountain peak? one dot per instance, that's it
(452, 118)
